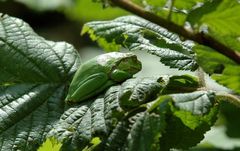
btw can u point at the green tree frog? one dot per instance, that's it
(101, 72)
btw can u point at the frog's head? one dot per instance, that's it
(122, 65)
(129, 63)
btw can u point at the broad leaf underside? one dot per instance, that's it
(115, 122)
(136, 33)
(33, 75)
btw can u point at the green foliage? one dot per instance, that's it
(198, 103)
(98, 117)
(147, 113)
(187, 114)
(50, 145)
(86, 10)
(34, 74)
(137, 91)
(212, 14)
(219, 19)
(209, 18)
(177, 84)
(138, 34)
(230, 78)
(135, 33)
(214, 62)
(230, 114)
(80, 124)
(222, 69)
(141, 126)
(145, 132)
(174, 10)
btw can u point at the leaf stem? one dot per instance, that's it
(201, 77)
(170, 10)
(201, 38)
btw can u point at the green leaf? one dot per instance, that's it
(172, 10)
(146, 132)
(118, 136)
(178, 135)
(141, 133)
(188, 117)
(198, 103)
(180, 84)
(212, 14)
(188, 4)
(156, 3)
(221, 68)
(210, 60)
(178, 4)
(229, 78)
(139, 91)
(136, 33)
(50, 145)
(25, 57)
(80, 124)
(231, 119)
(225, 134)
(97, 118)
(219, 19)
(34, 73)
(95, 11)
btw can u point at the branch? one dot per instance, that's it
(200, 38)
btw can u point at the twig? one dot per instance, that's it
(200, 38)
(170, 10)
